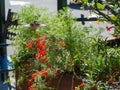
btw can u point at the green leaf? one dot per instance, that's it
(113, 17)
(85, 1)
(115, 6)
(100, 6)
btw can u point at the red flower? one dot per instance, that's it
(49, 64)
(109, 28)
(40, 46)
(38, 56)
(62, 44)
(29, 44)
(40, 40)
(81, 85)
(30, 80)
(42, 53)
(32, 77)
(43, 61)
(32, 88)
(34, 74)
(44, 73)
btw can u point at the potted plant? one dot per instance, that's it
(48, 57)
(44, 52)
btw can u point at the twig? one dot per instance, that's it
(104, 15)
(59, 81)
(72, 82)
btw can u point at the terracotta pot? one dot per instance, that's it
(64, 82)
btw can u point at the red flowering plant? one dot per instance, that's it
(44, 52)
(46, 67)
(61, 47)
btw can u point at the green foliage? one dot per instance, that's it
(100, 6)
(69, 48)
(111, 7)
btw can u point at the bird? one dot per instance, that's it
(34, 25)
